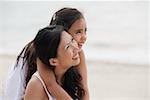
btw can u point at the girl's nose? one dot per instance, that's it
(83, 38)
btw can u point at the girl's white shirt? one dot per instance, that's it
(14, 86)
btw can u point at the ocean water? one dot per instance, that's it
(117, 31)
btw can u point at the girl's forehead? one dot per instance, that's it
(79, 24)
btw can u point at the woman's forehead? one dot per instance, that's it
(66, 36)
(65, 40)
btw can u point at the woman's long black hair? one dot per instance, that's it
(72, 78)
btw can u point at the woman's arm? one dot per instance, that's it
(83, 71)
(53, 87)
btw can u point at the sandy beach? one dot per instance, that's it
(107, 81)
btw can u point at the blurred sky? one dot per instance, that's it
(117, 30)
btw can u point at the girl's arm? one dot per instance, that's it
(53, 87)
(83, 71)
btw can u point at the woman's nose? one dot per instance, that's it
(75, 47)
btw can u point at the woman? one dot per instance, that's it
(74, 23)
(53, 45)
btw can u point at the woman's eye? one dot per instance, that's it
(67, 46)
(72, 40)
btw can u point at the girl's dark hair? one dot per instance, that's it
(64, 17)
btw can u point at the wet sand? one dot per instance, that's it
(107, 81)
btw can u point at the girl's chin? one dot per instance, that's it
(80, 50)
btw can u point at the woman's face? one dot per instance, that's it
(78, 31)
(68, 51)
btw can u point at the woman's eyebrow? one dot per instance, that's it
(68, 42)
(66, 45)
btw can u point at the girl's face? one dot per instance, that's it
(68, 51)
(78, 31)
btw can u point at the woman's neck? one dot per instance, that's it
(59, 72)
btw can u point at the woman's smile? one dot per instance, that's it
(75, 57)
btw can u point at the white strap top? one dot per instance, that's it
(36, 74)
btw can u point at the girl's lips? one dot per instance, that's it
(80, 45)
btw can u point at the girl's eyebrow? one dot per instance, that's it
(80, 29)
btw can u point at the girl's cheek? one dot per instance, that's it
(77, 39)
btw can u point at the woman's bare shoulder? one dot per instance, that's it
(34, 90)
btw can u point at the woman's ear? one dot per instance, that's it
(53, 61)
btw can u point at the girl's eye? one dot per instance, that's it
(78, 32)
(85, 29)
